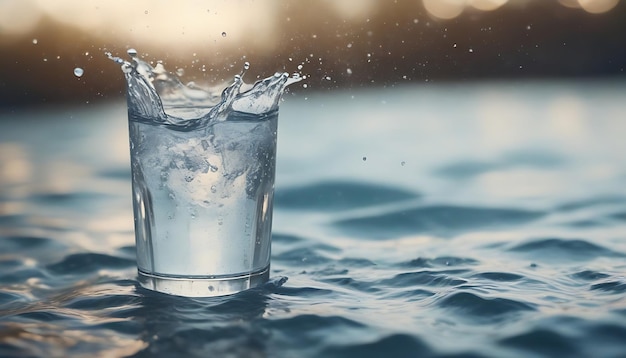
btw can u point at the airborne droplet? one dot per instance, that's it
(224, 34)
(132, 52)
(78, 72)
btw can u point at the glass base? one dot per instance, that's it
(209, 286)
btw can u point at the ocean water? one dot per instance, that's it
(469, 220)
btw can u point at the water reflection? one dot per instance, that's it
(225, 327)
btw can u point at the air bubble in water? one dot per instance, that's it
(402, 163)
(78, 72)
(132, 52)
(364, 158)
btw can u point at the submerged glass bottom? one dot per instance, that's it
(194, 286)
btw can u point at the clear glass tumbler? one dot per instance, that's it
(203, 180)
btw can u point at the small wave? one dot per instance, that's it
(358, 285)
(424, 278)
(543, 341)
(619, 216)
(471, 168)
(585, 223)
(591, 202)
(338, 195)
(301, 257)
(122, 173)
(482, 308)
(557, 249)
(449, 261)
(439, 220)
(89, 262)
(588, 275)
(21, 243)
(465, 169)
(610, 286)
(499, 276)
(286, 238)
(395, 345)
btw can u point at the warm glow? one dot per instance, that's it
(18, 17)
(353, 9)
(570, 3)
(597, 6)
(487, 5)
(445, 9)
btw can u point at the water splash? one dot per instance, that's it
(159, 97)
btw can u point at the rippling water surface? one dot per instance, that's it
(436, 221)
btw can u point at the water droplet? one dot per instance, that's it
(220, 220)
(364, 158)
(213, 168)
(132, 52)
(528, 27)
(180, 72)
(300, 67)
(454, 45)
(35, 41)
(213, 189)
(402, 163)
(78, 72)
(246, 66)
(224, 34)
(349, 71)
(304, 85)
(471, 50)
(146, 12)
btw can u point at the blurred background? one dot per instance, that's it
(340, 44)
